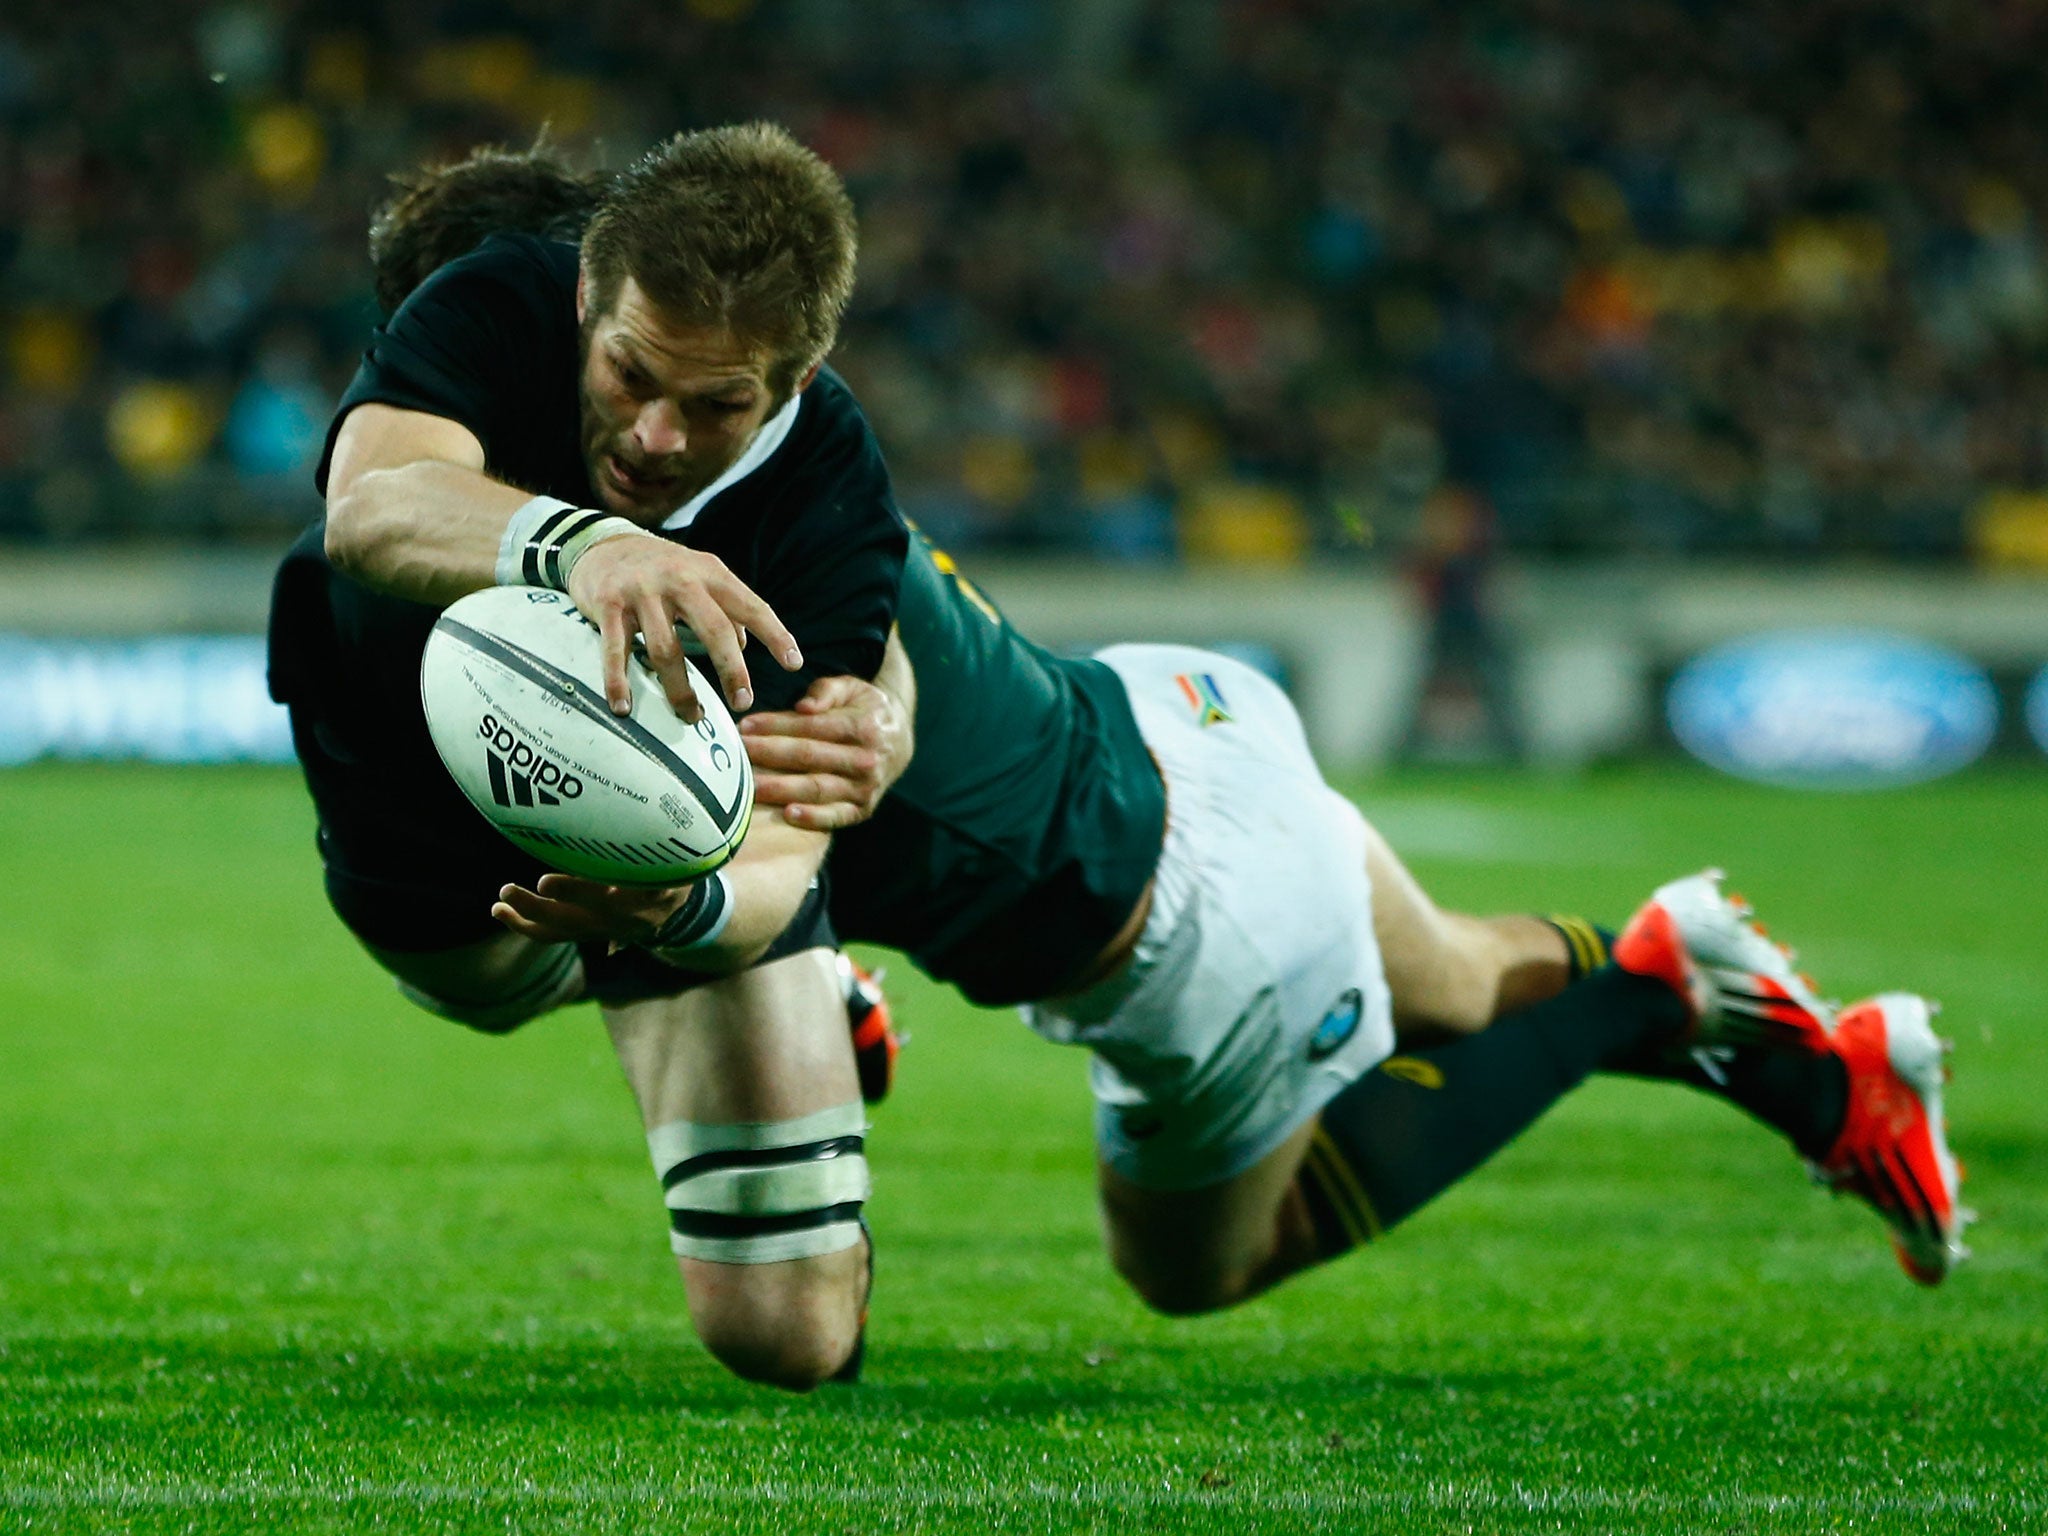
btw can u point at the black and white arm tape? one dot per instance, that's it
(696, 925)
(546, 538)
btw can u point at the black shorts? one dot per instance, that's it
(411, 865)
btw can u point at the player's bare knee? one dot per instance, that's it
(793, 1337)
(1182, 1293)
(1174, 1285)
(789, 1325)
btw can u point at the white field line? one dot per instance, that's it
(1460, 833)
(1435, 1496)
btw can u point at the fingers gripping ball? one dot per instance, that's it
(513, 686)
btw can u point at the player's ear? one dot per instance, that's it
(582, 287)
(804, 383)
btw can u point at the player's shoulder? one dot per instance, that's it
(504, 273)
(830, 422)
(516, 257)
(817, 484)
(831, 440)
(831, 400)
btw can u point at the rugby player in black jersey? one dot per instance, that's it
(1139, 848)
(645, 421)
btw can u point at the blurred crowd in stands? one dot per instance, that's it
(1146, 279)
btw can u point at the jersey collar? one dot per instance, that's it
(759, 452)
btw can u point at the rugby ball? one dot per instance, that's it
(512, 682)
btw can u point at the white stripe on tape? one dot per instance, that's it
(681, 1140)
(807, 1244)
(778, 1189)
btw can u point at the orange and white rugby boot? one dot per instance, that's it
(1893, 1148)
(1705, 945)
(875, 1041)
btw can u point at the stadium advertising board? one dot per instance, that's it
(1833, 709)
(172, 699)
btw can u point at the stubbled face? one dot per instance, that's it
(666, 408)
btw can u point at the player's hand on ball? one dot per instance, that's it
(829, 761)
(648, 586)
(570, 909)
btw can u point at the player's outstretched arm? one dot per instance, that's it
(829, 761)
(765, 884)
(411, 512)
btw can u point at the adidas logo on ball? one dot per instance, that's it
(519, 775)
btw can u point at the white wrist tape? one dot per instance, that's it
(696, 925)
(760, 1193)
(546, 538)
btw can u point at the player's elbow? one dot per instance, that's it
(351, 515)
(361, 518)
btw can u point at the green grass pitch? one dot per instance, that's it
(278, 1254)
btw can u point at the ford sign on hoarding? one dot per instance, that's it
(1833, 709)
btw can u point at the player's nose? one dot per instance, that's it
(658, 429)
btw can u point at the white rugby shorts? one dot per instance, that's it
(1256, 991)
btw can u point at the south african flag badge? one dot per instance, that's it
(1206, 698)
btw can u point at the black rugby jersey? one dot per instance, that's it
(1029, 822)
(491, 341)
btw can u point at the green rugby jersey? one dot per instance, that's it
(1029, 822)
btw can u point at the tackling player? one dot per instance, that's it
(1140, 850)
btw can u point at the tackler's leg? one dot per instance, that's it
(751, 1103)
(1242, 1079)
(1377, 1151)
(1491, 1033)
(1451, 973)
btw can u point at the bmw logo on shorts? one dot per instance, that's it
(1338, 1025)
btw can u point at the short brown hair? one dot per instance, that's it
(739, 227)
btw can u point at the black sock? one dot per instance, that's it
(1802, 1096)
(1408, 1130)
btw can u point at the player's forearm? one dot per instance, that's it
(767, 883)
(428, 531)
